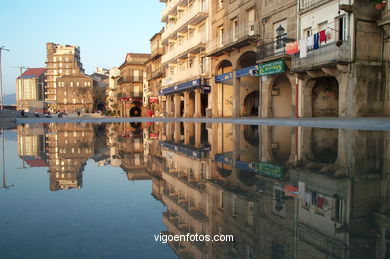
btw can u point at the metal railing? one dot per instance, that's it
(304, 4)
(273, 48)
(197, 8)
(338, 51)
(130, 79)
(242, 32)
(157, 51)
(182, 75)
(184, 46)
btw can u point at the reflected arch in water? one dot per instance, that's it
(248, 178)
(251, 134)
(135, 111)
(324, 145)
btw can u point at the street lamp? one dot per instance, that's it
(1, 78)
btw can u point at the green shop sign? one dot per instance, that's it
(272, 67)
(273, 171)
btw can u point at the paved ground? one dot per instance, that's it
(374, 123)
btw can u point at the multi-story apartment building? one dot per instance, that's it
(154, 76)
(61, 60)
(234, 30)
(74, 93)
(184, 86)
(30, 88)
(68, 147)
(130, 84)
(341, 72)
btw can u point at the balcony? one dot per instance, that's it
(194, 15)
(305, 4)
(273, 49)
(332, 53)
(183, 75)
(130, 79)
(193, 44)
(157, 52)
(237, 37)
(129, 94)
(169, 8)
(156, 73)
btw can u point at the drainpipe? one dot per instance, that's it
(296, 97)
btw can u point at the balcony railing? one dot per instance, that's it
(243, 32)
(194, 71)
(129, 94)
(273, 48)
(197, 13)
(130, 79)
(168, 8)
(335, 52)
(156, 73)
(156, 52)
(304, 4)
(186, 45)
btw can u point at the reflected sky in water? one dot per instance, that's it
(88, 190)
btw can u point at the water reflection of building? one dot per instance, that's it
(68, 148)
(31, 145)
(131, 150)
(318, 198)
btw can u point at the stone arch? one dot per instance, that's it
(281, 96)
(135, 111)
(247, 59)
(325, 97)
(222, 66)
(251, 104)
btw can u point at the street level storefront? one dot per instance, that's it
(188, 99)
(133, 105)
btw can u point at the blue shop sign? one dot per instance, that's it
(247, 71)
(223, 77)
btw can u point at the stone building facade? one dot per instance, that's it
(74, 93)
(258, 58)
(61, 60)
(130, 84)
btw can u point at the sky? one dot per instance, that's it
(104, 30)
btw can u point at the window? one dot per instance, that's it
(234, 27)
(220, 4)
(136, 75)
(307, 32)
(220, 35)
(341, 28)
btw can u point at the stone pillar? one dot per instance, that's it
(168, 107)
(188, 132)
(177, 100)
(236, 143)
(168, 131)
(198, 134)
(187, 104)
(198, 104)
(177, 133)
(236, 96)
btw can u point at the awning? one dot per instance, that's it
(197, 83)
(131, 99)
(153, 99)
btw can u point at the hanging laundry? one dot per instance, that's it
(328, 33)
(314, 197)
(322, 36)
(303, 48)
(320, 202)
(290, 190)
(316, 41)
(310, 42)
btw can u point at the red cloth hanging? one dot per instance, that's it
(322, 36)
